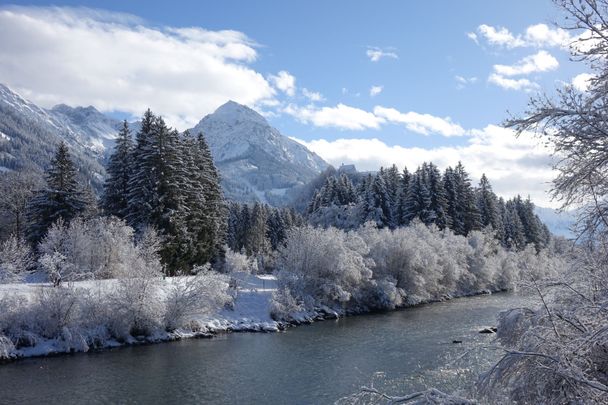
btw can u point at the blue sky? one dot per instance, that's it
(370, 83)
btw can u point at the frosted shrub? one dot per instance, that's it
(55, 309)
(16, 260)
(284, 305)
(201, 294)
(236, 262)
(95, 248)
(327, 265)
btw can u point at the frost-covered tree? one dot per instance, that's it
(16, 189)
(16, 259)
(62, 198)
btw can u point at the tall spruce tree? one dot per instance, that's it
(62, 198)
(486, 204)
(418, 201)
(116, 187)
(439, 202)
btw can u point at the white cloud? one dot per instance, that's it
(351, 118)
(340, 116)
(542, 61)
(114, 61)
(312, 95)
(541, 35)
(473, 37)
(581, 82)
(512, 84)
(462, 82)
(421, 123)
(537, 35)
(499, 36)
(285, 82)
(375, 90)
(513, 165)
(375, 54)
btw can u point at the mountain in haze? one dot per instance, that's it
(256, 162)
(559, 223)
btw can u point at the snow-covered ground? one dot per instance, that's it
(250, 312)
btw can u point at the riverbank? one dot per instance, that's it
(249, 312)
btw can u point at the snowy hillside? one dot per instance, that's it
(256, 161)
(30, 135)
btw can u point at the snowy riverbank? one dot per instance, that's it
(249, 312)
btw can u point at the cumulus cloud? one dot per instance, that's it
(341, 116)
(375, 54)
(118, 63)
(537, 35)
(375, 90)
(512, 84)
(581, 82)
(542, 61)
(514, 165)
(421, 123)
(285, 82)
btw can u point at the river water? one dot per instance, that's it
(399, 352)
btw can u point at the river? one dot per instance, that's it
(400, 351)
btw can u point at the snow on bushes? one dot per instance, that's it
(372, 268)
(16, 260)
(93, 249)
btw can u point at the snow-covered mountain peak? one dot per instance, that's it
(257, 161)
(234, 113)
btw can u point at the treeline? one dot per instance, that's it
(259, 229)
(392, 198)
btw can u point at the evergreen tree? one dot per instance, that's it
(439, 202)
(404, 185)
(142, 196)
(256, 241)
(465, 201)
(514, 230)
(116, 186)
(418, 201)
(61, 199)
(486, 204)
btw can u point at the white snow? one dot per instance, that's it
(4, 136)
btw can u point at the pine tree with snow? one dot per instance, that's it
(418, 201)
(439, 202)
(142, 196)
(62, 198)
(404, 185)
(116, 186)
(515, 237)
(256, 241)
(487, 204)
